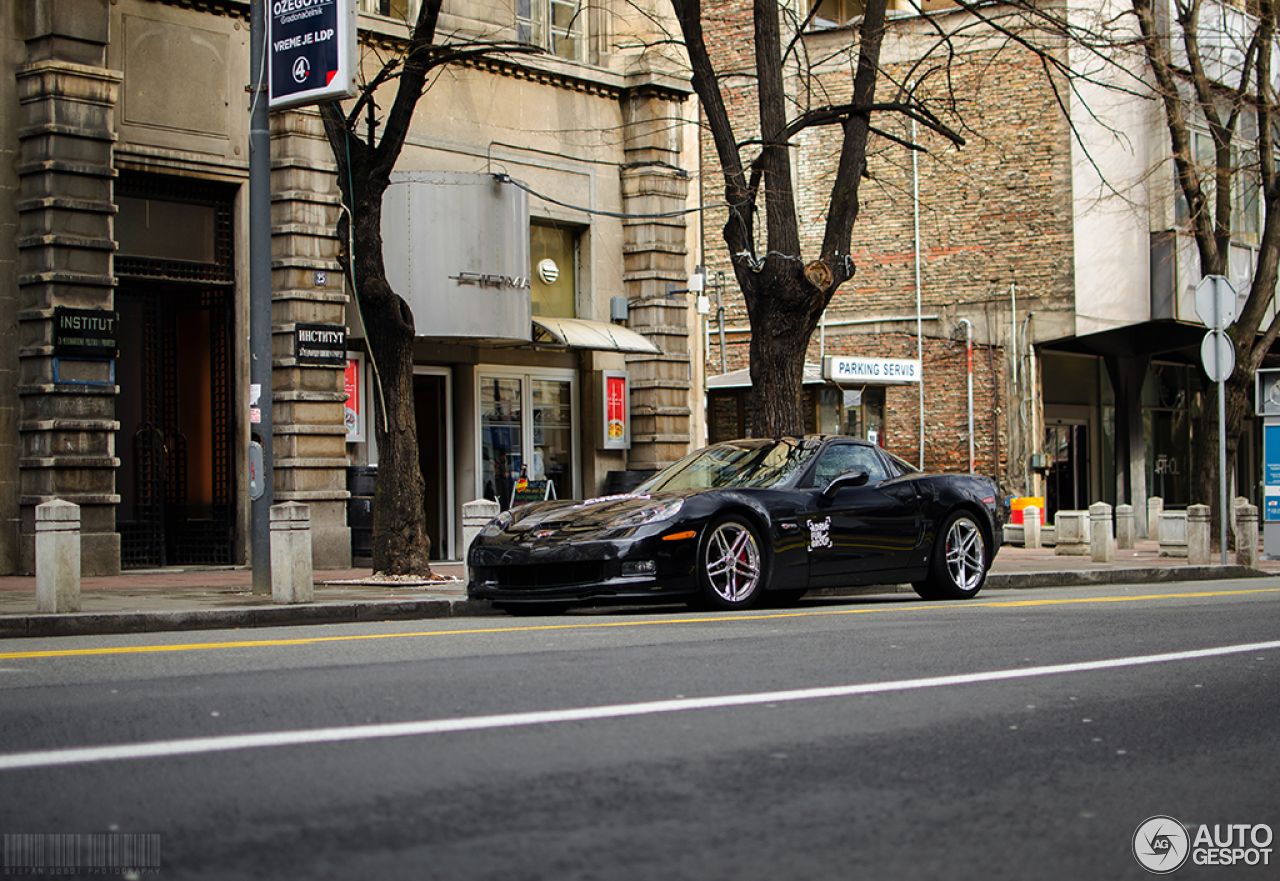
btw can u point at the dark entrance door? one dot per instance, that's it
(174, 443)
(1067, 481)
(430, 407)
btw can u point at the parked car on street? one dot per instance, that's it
(744, 522)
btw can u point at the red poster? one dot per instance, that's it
(352, 387)
(616, 407)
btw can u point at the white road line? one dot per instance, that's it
(197, 745)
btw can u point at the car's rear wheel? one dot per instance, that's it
(731, 565)
(960, 560)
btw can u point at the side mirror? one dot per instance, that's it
(849, 478)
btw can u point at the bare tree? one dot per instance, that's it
(366, 154)
(785, 293)
(1237, 103)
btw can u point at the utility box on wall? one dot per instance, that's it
(456, 247)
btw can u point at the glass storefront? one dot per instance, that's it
(526, 432)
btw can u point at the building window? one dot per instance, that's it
(403, 10)
(553, 252)
(559, 26)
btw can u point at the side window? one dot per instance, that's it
(836, 460)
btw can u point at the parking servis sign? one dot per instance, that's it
(312, 49)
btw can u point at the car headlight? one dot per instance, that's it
(495, 526)
(648, 514)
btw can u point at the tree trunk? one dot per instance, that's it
(1206, 488)
(784, 309)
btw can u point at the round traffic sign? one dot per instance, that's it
(1218, 354)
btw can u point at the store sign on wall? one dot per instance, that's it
(85, 333)
(872, 371)
(323, 345)
(1271, 473)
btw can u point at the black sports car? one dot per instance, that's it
(742, 522)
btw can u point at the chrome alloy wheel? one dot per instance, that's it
(732, 561)
(966, 554)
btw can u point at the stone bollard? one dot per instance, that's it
(1247, 551)
(58, 557)
(291, 579)
(1198, 535)
(1102, 543)
(1172, 533)
(1155, 507)
(1031, 527)
(1124, 527)
(475, 515)
(1071, 535)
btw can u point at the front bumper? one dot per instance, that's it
(511, 569)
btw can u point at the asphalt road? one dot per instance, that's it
(1021, 735)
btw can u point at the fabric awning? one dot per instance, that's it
(742, 378)
(582, 333)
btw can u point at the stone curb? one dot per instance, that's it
(93, 624)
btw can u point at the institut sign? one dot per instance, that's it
(871, 371)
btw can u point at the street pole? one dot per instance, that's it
(260, 294)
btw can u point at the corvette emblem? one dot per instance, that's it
(543, 533)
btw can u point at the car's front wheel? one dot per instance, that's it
(960, 560)
(731, 565)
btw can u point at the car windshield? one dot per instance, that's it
(734, 464)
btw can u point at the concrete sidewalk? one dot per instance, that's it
(199, 599)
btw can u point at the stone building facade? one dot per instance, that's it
(125, 199)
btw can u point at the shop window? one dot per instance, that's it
(553, 251)
(527, 424)
(559, 26)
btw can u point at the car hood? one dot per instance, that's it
(591, 514)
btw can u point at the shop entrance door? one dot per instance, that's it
(1067, 481)
(175, 436)
(433, 410)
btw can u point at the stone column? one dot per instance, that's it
(1124, 527)
(1031, 527)
(1102, 546)
(291, 569)
(654, 254)
(1247, 553)
(66, 405)
(1155, 507)
(1198, 553)
(307, 287)
(58, 557)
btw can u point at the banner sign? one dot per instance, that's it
(312, 50)
(323, 345)
(1271, 472)
(617, 410)
(873, 371)
(84, 333)
(353, 384)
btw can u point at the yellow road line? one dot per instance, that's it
(807, 613)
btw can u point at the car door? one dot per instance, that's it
(873, 527)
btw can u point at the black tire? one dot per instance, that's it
(731, 565)
(960, 561)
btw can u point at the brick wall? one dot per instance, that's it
(993, 213)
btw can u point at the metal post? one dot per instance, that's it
(1222, 466)
(968, 354)
(260, 293)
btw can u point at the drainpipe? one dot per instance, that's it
(915, 211)
(968, 357)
